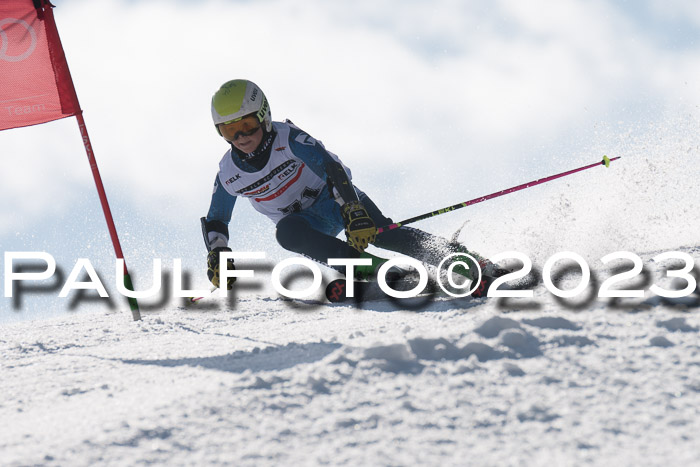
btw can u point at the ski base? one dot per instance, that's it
(336, 291)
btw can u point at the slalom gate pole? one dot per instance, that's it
(135, 312)
(606, 162)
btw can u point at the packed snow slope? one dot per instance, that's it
(272, 382)
(258, 380)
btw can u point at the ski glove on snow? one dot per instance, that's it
(213, 268)
(359, 227)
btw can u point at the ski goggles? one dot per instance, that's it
(246, 126)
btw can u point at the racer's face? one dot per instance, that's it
(248, 143)
(245, 134)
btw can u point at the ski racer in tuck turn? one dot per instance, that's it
(307, 191)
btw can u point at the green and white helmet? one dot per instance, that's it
(238, 98)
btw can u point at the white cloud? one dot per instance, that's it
(688, 10)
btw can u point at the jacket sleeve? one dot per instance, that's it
(215, 225)
(325, 164)
(339, 183)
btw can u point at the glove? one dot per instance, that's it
(213, 267)
(359, 227)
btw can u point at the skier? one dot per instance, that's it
(305, 190)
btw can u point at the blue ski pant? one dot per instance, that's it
(312, 233)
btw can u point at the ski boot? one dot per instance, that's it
(365, 281)
(489, 271)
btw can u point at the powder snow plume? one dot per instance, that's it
(648, 200)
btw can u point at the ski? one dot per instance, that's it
(336, 291)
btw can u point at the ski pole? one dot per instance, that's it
(606, 162)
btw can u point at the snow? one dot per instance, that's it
(271, 382)
(257, 380)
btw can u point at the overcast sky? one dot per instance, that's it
(428, 102)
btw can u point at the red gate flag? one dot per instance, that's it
(36, 87)
(35, 84)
